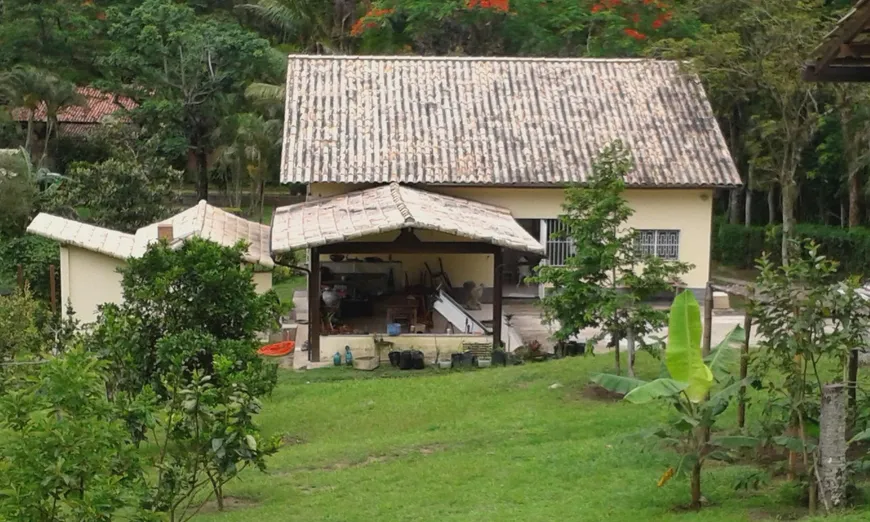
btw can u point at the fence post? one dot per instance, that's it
(832, 446)
(52, 289)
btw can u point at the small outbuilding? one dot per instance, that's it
(90, 256)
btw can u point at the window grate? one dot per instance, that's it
(659, 243)
(559, 246)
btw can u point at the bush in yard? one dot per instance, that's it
(686, 387)
(207, 436)
(65, 455)
(608, 282)
(200, 290)
(807, 314)
(740, 246)
(35, 254)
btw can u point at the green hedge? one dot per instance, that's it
(740, 246)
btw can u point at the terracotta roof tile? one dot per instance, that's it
(99, 105)
(394, 207)
(501, 121)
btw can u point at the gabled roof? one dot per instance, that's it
(97, 239)
(99, 105)
(394, 207)
(214, 224)
(497, 121)
(202, 220)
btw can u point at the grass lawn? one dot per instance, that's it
(491, 445)
(286, 288)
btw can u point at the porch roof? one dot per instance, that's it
(390, 208)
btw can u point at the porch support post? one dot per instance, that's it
(497, 285)
(314, 320)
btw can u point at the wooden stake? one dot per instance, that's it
(708, 321)
(497, 286)
(52, 289)
(853, 380)
(744, 371)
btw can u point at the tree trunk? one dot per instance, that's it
(201, 174)
(262, 189)
(854, 198)
(747, 198)
(771, 205)
(29, 138)
(48, 127)
(832, 446)
(696, 486)
(747, 208)
(630, 353)
(789, 197)
(734, 210)
(615, 340)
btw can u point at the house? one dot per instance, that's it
(75, 120)
(456, 166)
(90, 256)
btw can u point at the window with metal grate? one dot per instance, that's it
(660, 243)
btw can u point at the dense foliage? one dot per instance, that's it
(608, 283)
(185, 307)
(686, 386)
(741, 246)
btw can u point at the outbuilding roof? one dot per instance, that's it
(98, 105)
(497, 121)
(394, 207)
(209, 222)
(98, 239)
(202, 220)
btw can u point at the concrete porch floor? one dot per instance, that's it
(527, 320)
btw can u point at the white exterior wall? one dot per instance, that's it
(87, 280)
(688, 210)
(263, 281)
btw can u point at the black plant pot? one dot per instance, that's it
(417, 361)
(406, 361)
(499, 358)
(395, 356)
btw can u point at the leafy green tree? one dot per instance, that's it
(805, 314)
(186, 69)
(606, 284)
(199, 288)
(55, 35)
(206, 436)
(686, 387)
(121, 194)
(65, 455)
(252, 150)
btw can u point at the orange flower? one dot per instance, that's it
(637, 35)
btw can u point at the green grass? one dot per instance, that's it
(491, 445)
(285, 288)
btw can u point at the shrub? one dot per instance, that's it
(65, 455)
(34, 254)
(741, 246)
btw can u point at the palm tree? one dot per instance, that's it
(58, 95)
(26, 88)
(251, 150)
(308, 23)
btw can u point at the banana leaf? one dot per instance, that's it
(683, 353)
(657, 389)
(616, 383)
(726, 353)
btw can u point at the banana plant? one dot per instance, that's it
(686, 384)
